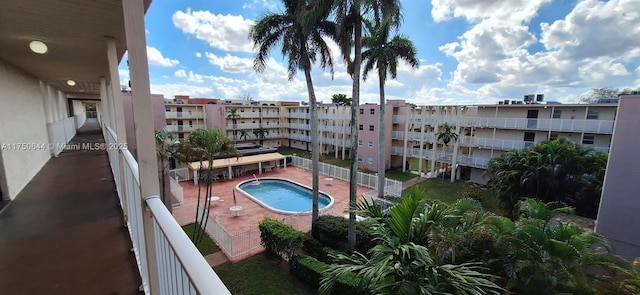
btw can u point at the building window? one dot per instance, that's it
(359, 142)
(372, 111)
(361, 127)
(242, 110)
(592, 115)
(529, 138)
(167, 109)
(359, 158)
(361, 111)
(556, 114)
(372, 128)
(588, 139)
(370, 161)
(371, 144)
(553, 136)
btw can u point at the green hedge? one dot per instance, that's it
(319, 251)
(280, 238)
(309, 270)
(332, 231)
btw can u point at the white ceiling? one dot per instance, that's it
(74, 31)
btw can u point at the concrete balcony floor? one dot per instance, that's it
(64, 232)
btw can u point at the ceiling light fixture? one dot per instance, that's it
(70, 82)
(38, 47)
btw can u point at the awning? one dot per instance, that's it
(240, 161)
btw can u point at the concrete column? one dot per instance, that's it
(116, 94)
(104, 103)
(454, 158)
(45, 102)
(133, 12)
(51, 97)
(62, 101)
(407, 121)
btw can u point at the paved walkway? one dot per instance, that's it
(64, 232)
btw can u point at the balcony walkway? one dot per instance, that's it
(64, 232)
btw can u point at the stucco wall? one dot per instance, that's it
(22, 118)
(618, 218)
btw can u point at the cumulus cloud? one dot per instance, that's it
(259, 3)
(198, 54)
(230, 63)
(155, 58)
(171, 90)
(225, 32)
(585, 49)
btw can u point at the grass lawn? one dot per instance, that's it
(290, 151)
(260, 274)
(399, 175)
(415, 162)
(207, 246)
(447, 192)
(336, 162)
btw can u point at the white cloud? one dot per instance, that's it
(180, 73)
(171, 90)
(155, 58)
(124, 76)
(230, 63)
(198, 54)
(225, 32)
(262, 3)
(586, 49)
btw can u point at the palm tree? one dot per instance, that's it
(165, 146)
(383, 54)
(204, 146)
(400, 263)
(261, 133)
(446, 136)
(349, 17)
(300, 29)
(244, 134)
(232, 113)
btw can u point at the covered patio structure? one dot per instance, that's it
(237, 165)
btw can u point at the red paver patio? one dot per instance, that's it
(252, 213)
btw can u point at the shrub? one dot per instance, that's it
(365, 237)
(332, 231)
(310, 271)
(472, 191)
(319, 251)
(280, 238)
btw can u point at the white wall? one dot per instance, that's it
(22, 118)
(79, 113)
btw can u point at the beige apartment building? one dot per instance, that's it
(485, 131)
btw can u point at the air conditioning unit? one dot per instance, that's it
(506, 101)
(529, 97)
(539, 97)
(514, 102)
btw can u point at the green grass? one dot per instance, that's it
(287, 151)
(399, 175)
(447, 192)
(415, 162)
(336, 162)
(260, 274)
(207, 246)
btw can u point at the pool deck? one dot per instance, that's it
(252, 213)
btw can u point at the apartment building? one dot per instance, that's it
(485, 131)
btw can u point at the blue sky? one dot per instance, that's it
(470, 51)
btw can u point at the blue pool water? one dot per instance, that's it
(282, 195)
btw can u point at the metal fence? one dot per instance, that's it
(391, 187)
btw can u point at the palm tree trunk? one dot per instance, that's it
(381, 131)
(314, 141)
(353, 155)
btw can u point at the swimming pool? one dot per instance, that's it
(283, 196)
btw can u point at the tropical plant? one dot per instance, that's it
(539, 256)
(382, 53)
(340, 99)
(300, 30)
(446, 136)
(244, 133)
(556, 170)
(350, 15)
(400, 263)
(234, 115)
(204, 146)
(165, 146)
(261, 133)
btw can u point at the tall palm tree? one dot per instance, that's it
(244, 133)
(165, 146)
(446, 136)
(383, 54)
(233, 114)
(204, 146)
(301, 30)
(349, 17)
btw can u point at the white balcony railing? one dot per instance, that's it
(184, 115)
(183, 128)
(563, 125)
(167, 260)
